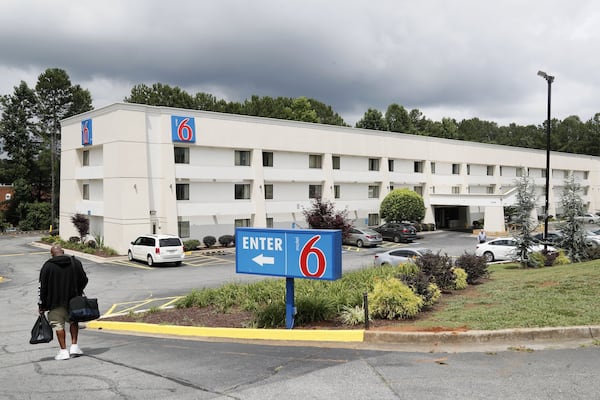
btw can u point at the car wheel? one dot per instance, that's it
(489, 256)
(396, 239)
(130, 255)
(359, 243)
(150, 260)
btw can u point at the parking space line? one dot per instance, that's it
(137, 306)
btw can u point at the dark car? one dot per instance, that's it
(553, 238)
(397, 231)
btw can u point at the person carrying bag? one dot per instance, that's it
(61, 279)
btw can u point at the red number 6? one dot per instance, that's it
(307, 250)
(184, 131)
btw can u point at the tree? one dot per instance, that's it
(161, 95)
(373, 119)
(526, 200)
(572, 229)
(397, 119)
(57, 99)
(402, 205)
(82, 224)
(323, 215)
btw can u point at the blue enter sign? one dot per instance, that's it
(292, 253)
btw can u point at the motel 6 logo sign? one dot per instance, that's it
(292, 253)
(183, 129)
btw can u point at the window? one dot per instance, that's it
(336, 191)
(182, 155)
(182, 191)
(374, 191)
(432, 167)
(315, 161)
(490, 170)
(269, 191)
(586, 174)
(86, 191)
(86, 158)
(391, 165)
(432, 189)
(373, 164)
(183, 228)
(418, 166)
(565, 174)
(267, 158)
(391, 187)
(544, 173)
(490, 189)
(418, 190)
(242, 157)
(373, 219)
(335, 160)
(468, 169)
(519, 171)
(242, 223)
(501, 170)
(269, 222)
(455, 189)
(455, 169)
(315, 191)
(242, 191)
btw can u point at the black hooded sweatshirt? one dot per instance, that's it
(61, 278)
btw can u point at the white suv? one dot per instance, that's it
(157, 249)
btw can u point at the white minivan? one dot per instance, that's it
(157, 249)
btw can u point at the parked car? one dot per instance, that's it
(504, 249)
(398, 256)
(363, 237)
(553, 238)
(157, 249)
(592, 238)
(589, 218)
(396, 231)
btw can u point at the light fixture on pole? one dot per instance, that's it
(548, 79)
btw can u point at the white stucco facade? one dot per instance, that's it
(128, 183)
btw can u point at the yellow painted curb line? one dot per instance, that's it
(353, 335)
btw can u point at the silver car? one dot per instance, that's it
(399, 256)
(363, 237)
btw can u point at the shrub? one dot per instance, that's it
(593, 252)
(74, 239)
(270, 316)
(226, 240)
(474, 266)
(191, 244)
(91, 244)
(461, 279)
(392, 299)
(536, 259)
(209, 241)
(421, 284)
(314, 308)
(82, 224)
(439, 268)
(352, 315)
(549, 257)
(561, 258)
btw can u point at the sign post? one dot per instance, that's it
(291, 253)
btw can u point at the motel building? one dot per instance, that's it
(136, 169)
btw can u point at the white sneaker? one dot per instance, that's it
(63, 354)
(74, 350)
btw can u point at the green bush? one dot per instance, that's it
(191, 244)
(270, 316)
(209, 241)
(593, 253)
(536, 259)
(392, 299)
(561, 258)
(314, 308)
(226, 240)
(352, 315)
(476, 267)
(461, 279)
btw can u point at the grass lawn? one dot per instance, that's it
(566, 295)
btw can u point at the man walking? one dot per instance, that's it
(61, 278)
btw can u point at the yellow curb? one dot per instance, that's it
(353, 335)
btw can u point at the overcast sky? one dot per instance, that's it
(448, 58)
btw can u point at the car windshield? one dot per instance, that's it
(170, 242)
(369, 232)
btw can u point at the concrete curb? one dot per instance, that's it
(392, 340)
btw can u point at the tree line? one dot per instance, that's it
(30, 132)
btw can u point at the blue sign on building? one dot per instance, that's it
(86, 132)
(183, 129)
(292, 253)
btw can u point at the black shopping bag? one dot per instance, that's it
(41, 331)
(82, 308)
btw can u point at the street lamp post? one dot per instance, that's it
(548, 79)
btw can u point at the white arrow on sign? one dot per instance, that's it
(261, 260)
